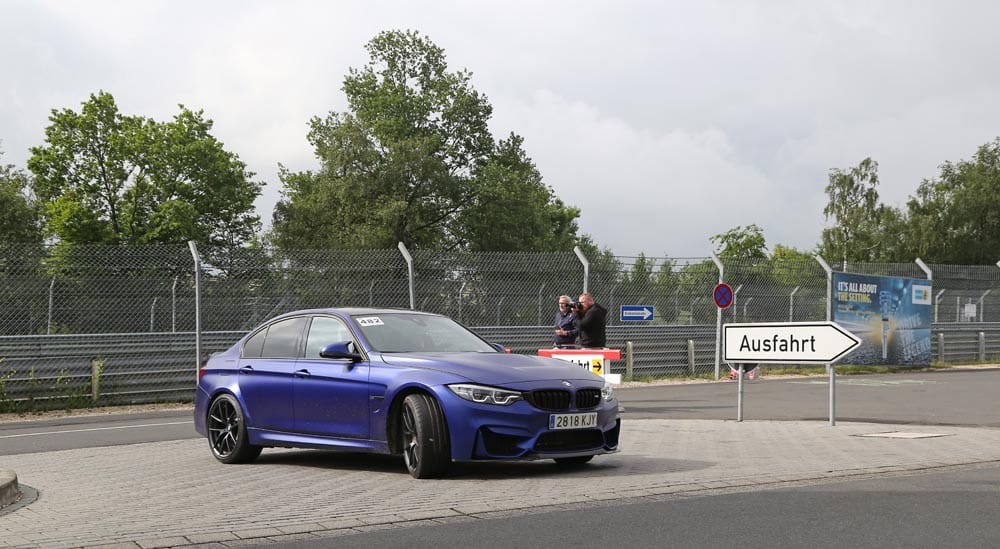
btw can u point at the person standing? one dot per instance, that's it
(566, 329)
(591, 321)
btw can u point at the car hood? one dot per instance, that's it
(492, 368)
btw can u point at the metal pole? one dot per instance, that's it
(540, 290)
(461, 294)
(937, 302)
(791, 305)
(152, 314)
(718, 316)
(173, 306)
(197, 308)
(52, 287)
(747, 302)
(409, 269)
(736, 293)
(926, 269)
(982, 305)
(829, 315)
(586, 266)
(739, 399)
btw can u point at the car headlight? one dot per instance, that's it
(482, 394)
(607, 391)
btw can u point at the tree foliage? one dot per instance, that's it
(414, 162)
(863, 230)
(107, 178)
(955, 218)
(19, 216)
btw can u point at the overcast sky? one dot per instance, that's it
(666, 122)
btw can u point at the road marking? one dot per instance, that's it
(868, 382)
(97, 429)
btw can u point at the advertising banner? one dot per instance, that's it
(891, 316)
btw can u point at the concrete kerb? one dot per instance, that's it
(9, 491)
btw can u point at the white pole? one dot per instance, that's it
(718, 317)
(829, 315)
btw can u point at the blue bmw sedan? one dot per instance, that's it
(398, 382)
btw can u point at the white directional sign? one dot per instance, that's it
(787, 342)
(637, 312)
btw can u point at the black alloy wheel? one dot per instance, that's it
(227, 432)
(424, 437)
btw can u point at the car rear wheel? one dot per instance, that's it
(424, 437)
(579, 460)
(227, 432)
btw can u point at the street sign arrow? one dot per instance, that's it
(636, 312)
(787, 342)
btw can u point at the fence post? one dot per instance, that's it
(197, 308)
(718, 316)
(628, 360)
(152, 314)
(983, 305)
(791, 305)
(96, 365)
(691, 356)
(940, 347)
(540, 290)
(982, 346)
(173, 306)
(937, 302)
(586, 266)
(409, 270)
(52, 287)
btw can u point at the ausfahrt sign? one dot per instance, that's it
(787, 342)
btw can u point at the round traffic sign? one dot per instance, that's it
(723, 295)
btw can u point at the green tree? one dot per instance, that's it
(20, 221)
(955, 218)
(414, 162)
(107, 178)
(741, 243)
(862, 227)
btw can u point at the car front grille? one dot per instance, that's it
(588, 398)
(549, 399)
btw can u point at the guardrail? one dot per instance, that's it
(46, 372)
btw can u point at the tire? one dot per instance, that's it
(424, 437)
(227, 432)
(579, 460)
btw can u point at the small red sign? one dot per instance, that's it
(723, 295)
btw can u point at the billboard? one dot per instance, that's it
(891, 316)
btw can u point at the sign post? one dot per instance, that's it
(786, 343)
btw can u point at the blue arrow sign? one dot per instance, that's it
(637, 312)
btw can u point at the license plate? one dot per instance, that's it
(572, 421)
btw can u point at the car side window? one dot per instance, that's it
(324, 331)
(282, 340)
(254, 345)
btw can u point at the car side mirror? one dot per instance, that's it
(340, 349)
(500, 348)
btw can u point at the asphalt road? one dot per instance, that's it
(955, 508)
(946, 397)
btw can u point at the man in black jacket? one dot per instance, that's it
(592, 318)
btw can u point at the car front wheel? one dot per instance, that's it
(227, 432)
(424, 437)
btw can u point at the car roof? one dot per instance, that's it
(354, 311)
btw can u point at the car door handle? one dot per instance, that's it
(246, 370)
(302, 373)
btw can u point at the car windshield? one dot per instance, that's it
(418, 333)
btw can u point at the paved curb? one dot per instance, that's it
(8, 488)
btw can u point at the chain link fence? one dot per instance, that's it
(123, 318)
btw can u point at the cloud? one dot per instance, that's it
(666, 122)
